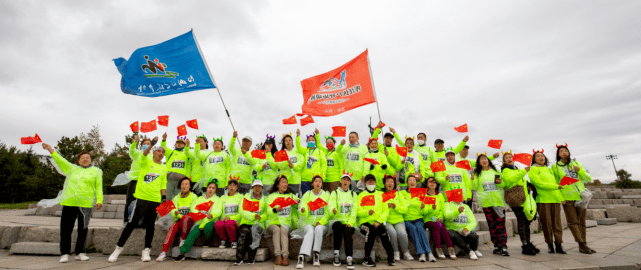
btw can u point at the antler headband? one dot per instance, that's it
(409, 137)
(236, 178)
(566, 145)
(309, 136)
(329, 137)
(284, 134)
(347, 174)
(534, 152)
(271, 137)
(218, 139)
(477, 154)
(503, 153)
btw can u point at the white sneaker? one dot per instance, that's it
(114, 256)
(301, 262)
(222, 244)
(478, 253)
(181, 243)
(64, 258)
(397, 255)
(82, 257)
(422, 258)
(145, 255)
(161, 257)
(473, 256)
(430, 257)
(407, 256)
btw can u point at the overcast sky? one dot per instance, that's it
(533, 73)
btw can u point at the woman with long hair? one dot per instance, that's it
(489, 193)
(227, 210)
(434, 219)
(395, 225)
(334, 162)
(216, 164)
(293, 167)
(314, 222)
(279, 219)
(416, 211)
(267, 169)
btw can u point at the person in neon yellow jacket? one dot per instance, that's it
(386, 147)
(548, 199)
(416, 211)
(434, 219)
(204, 226)
(267, 169)
(252, 224)
(489, 193)
(408, 165)
(182, 222)
(395, 223)
(178, 164)
(426, 152)
(197, 168)
(380, 170)
(440, 153)
(344, 205)
(294, 166)
(216, 164)
(334, 162)
(455, 178)
(280, 220)
(460, 223)
(131, 176)
(372, 214)
(352, 156)
(227, 210)
(575, 215)
(83, 184)
(315, 159)
(464, 155)
(242, 162)
(314, 222)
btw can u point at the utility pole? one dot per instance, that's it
(613, 157)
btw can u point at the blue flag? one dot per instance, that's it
(172, 67)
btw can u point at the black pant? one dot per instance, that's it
(67, 221)
(371, 233)
(143, 209)
(523, 224)
(341, 231)
(130, 197)
(244, 240)
(469, 203)
(465, 243)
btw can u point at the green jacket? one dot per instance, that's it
(488, 193)
(346, 205)
(378, 171)
(454, 220)
(215, 164)
(228, 207)
(459, 178)
(241, 164)
(471, 160)
(547, 188)
(334, 169)
(353, 160)
(177, 161)
(513, 177)
(135, 155)
(248, 217)
(381, 210)
(409, 167)
(269, 174)
(284, 217)
(315, 161)
(320, 215)
(571, 192)
(151, 181)
(202, 199)
(293, 174)
(82, 186)
(183, 205)
(397, 214)
(413, 206)
(441, 155)
(393, 158)
(437, 213)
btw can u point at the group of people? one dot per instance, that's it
(339, 188)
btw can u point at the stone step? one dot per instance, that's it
(119, 202)
(594, 214)
(608, 206)
(606, 221)
(630, 196)
(625, 214)
(35, 248)
(591, 223)
(30, 212)
(219, 254)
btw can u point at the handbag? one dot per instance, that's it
(515, 196)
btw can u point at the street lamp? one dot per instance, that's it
(613, 157)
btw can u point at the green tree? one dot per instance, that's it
(625, 180)
(116, 162)
(70, 147)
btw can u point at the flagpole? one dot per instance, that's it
(371, 76)
(216, 85)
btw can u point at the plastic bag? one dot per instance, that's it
(530, 207)
(586, 196)
(121, 179)
(257, 231)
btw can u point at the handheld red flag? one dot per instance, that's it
(134, 127)
(204, 206)
(368, 200)
(339, 131)
(429, 200)
(306, 120)
(316, 204)
(454, 195)
(373, 161)
(461, 129)
(290, 121)
(182, 130)
(163, 120)
(565, 181)
(258, 154)
(251, 206)
(402, 151)
(277, 202)
(196, 216)
(340, 90)
(165, 208)
(523, 158)
(148, 126)
(300, 114)
(281, 156)
(496, 144)
(27, 140)
(418, 192)
(389, 195)
(192, 124)
(464, 164)
(37, 138)
(289, 201)
(438, 166)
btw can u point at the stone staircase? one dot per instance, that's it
(113, 208)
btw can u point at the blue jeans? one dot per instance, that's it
(419, 236)
(304, 187)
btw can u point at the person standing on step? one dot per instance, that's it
(316, 161)
(227, 211)
(572, 194)
(267, 169)
(352, 155)
(344, 205)
(182, 222)
(489, 193)
(395, 224)
(334, 163)
(378, 170)
(242, 163)
(280, 219)
(372, 214)
(460, 223)
(425, 152)
(134, 172)
(314, 222)
(455, 178)
(83, 185)
(416, 211)
(434, 219)
(197, 166)
(251, 223)
(292, 169)
(411, 165)
(177, 164)
(216, 165)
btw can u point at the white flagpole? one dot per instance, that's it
(215, 84)
(371, 76)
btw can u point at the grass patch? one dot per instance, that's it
(22, 205)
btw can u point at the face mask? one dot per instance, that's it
(353, 145)
(373, 150)
(311, 144)
(144, 147)
(421, 142)
(371, 187)
(330, 146)
(180, 149)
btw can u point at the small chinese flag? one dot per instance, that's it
(523, 158)
(389, 195)
(251, 206)
(134, 127)
(454, 195)
(37, 138)
(461, 129)
(568, 181)
(196, 216)
(165, 208)
(182, 130)
(464, 164)
(496, 144)
(300, 114)
(192, 124)
(204, 206)
(148, 126)
(339, 131)
(368, 200)
(373, 161)
(316, 204)
(402, 151)
(418, 192)
(306, 120)
(27, 140)
(259, 154)
(289, 201)
(281, 156)
(163, 120)
(290, 121)
(438, 166)
(277, 202)
(429, 200)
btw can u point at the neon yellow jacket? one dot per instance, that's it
(392, 158)
(334, 169)
(269, 174)
(151, 181)
(248, 217)
(177, 161)
(441, 155)
(378, 170)
(353, 159)
(346, 205)
(513, 177)
(82, 185)
(414, 210)
(571, 192)
(293, 174)
(203, 199)
(434, 214)
(183, 205)
(459, 178)
(397, 214)
(320, 215)
(454, 220)
(135, 155)
(427, 153)
(228, 207)
(381, 210)
(215, 164)
(315, 161)
(284, 217)
(547, 188)
(409, 167)
(241, 164)
(488, 193)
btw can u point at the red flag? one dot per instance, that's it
(37, 138)
(300, 114)
(182, 130)
(568, 181)
(316, 204)
(418, 192)
(163, 120)
(340, 90)
(438, 166)
(371, 161)
(461, 129)
(289, 201)
(339, 131)
(368, 200)
(429, 200)
(290, 121)
(402, 151)
(165, 208)
(277, 202)
(192, 124)
(27, 140)
(259, 154)
(148, 126)
(196, 216)
(523, 158)
(204, 206)
(134, 127)
(389, 195)
(464, 164)
(306, 120)
(251, 206)
(281, 156)
(454, 195)
(496, 144)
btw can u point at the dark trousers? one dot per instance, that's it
(469, 203)
(523, 224)
(304, 187)
(497, 227)
(576, 220)
(244, 240)
(465, 243)
(342, 232)
(550, 218)
(371, 233)
(130, 197)
(143, 209)
(67, 221)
